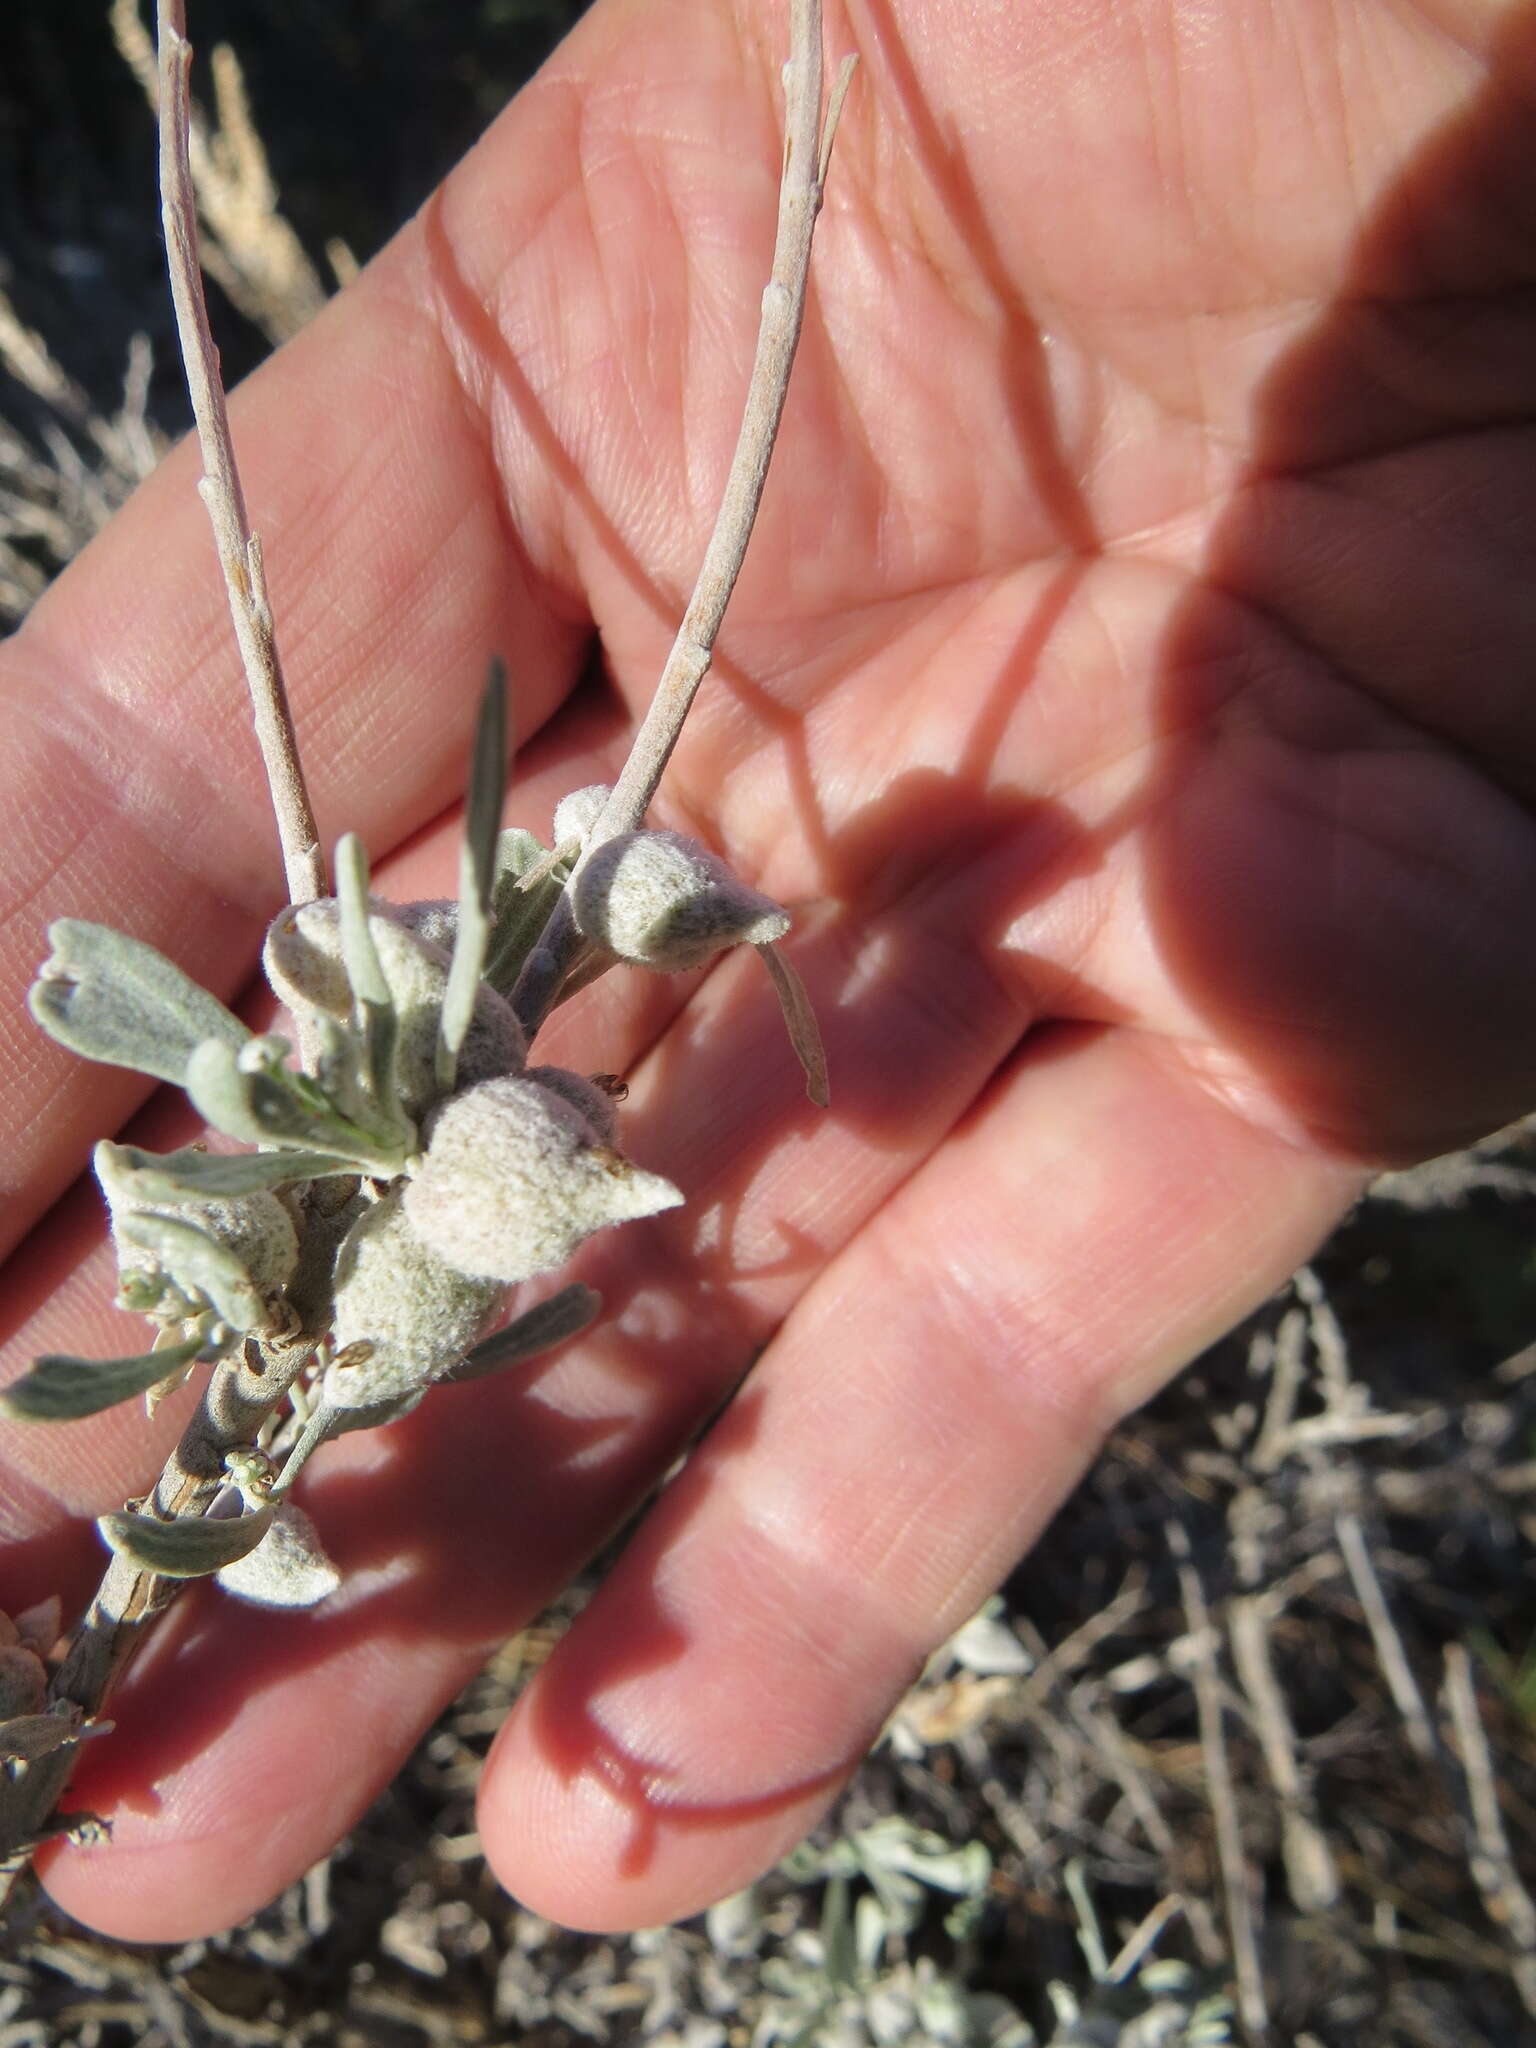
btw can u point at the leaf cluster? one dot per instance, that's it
(397, 1183)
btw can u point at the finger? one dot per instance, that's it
(1095, 1222)
(456, 1525)
(880, 1435)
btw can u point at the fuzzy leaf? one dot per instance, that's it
(518, 913)
(253, 1235)
(304, 965)
(800, 1022)
(538, 1329)
(515, 1180)
(191, 1174)
(663, 901)
(373, 1003)
(268, 1105)
(114, 999)
(586, 1097)
(288, 1567)
(191, 1548)
(30, 1736)
(196, 1262)
(578, 811)
(415, 1313)
(58, 1389)
(434, 919)
(477, 873)
(355, 1414)
(359, 954)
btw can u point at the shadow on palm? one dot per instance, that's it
(1342, 845)
(1336, 860)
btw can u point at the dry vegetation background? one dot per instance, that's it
(1246, 1750)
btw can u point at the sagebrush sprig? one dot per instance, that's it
(407, 1165)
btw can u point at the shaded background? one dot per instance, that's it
(363, 104)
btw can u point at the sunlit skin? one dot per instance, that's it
(1130, 691)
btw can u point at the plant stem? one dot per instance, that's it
(807, 149)
(241, 1394)
(239, 549)
(778, 334)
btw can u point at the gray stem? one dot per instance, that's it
(239, 549)
(241, 1394)
(806, 150)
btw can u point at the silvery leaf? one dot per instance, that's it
(191, 1173)
(518, 914)
(268, 1105)
(872, 1928)
(359, 954)
(800, 1022)
(477, 873)
(514, 1180)
(114, 999)
(578, 811)
(191, 1548)
(196, 1263)
(58, 1388)
(374, 1008)
(433, 918)
(839, 1949)
(735, 1925)
(343, 1421)
(539, 1328)
(288, 1567)
(403, 1315)
(663, 901)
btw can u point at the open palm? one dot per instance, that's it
(1129, 689)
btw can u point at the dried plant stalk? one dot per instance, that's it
(807, 154)
(251, 251)
(1510, 1906)
(1390, 1654)
(239, 549)
(1237, 1886)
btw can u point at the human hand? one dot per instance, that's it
(1127, 681)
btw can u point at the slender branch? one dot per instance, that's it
(1237, 1882)
(1311, 1874)
(807, 150)
(1509, 1904)
(239, 1397)
(1388, 1644)
(778, 335)
(239, 549)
